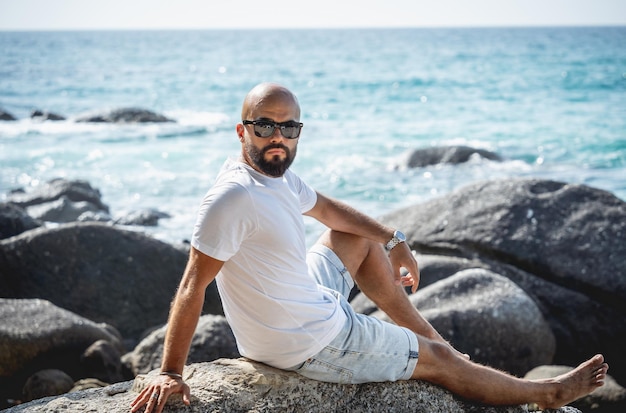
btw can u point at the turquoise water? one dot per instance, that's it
(551, 101)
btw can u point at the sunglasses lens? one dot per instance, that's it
(263, 130)
(291, 131)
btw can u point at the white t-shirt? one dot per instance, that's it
(253, 222)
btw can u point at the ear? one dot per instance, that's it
(240, 131)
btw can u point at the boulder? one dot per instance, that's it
(44, 383)
(213, 339)
(103, 361)
(42, 115)
(74, 190)
(145, 217)
(4, 115)
(62, 210)
(456, 154)
(14, 220)
(488, 317)
(565, 245)
(432, 268)
(244, 386)
(103, 273)
(37, 335)
(610, 398)
(124, 115)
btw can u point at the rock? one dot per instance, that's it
(14, 220)
(46, 383)
(106, 274)
(75, 191)
(146, 217)
(419, 158)
(212, 340)
(125, 115)
(103, 361)
(488, 317)
(245, 386)
(94, 216)
(85, 384)
(61, 210)
(4, 115)
(36, 335)
(432, 268)
(610, 398)
(41, 115)
(565, 245)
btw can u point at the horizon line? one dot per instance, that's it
(237, 28)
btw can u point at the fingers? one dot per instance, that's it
(155, 395)
(149, 397)
(402, 257)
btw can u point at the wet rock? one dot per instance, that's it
(43, 115)
(125, 115)
(418, 158)
(565, 245)
(14, 220)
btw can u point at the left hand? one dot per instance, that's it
(402, 257)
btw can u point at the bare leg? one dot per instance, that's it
(439, 365)
(369, 265)
(439, 362)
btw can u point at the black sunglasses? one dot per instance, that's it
(266, 128)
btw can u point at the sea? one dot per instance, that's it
(550, 101)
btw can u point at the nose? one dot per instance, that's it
(277, 136)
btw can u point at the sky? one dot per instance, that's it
(219, 14)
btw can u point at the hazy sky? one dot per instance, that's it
(207, 14)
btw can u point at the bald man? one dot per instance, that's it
(288, 307)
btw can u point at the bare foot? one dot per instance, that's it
(577, 383)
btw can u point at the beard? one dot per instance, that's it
(275, 166)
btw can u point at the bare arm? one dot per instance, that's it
(339, 216)
(185, 312)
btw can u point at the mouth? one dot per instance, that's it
(275, 152)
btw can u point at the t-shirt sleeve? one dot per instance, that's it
(226, 217)
(307, 195)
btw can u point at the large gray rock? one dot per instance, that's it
(432, 268)
(73, 190)
(242, 386)
(43, 115)
(61, 210)
(103, 273)
(14, 220)
(488, 317)
(4, 115)
(124, 115)
(44, 383)
(36, 335)
(213, 339)
(565, 245)
(456, 154)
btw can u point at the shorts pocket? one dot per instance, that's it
(322, 370)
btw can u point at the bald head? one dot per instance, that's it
(269, 94)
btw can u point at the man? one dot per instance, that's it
(288, 308)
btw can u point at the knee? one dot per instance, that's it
(441, 351)
(434, 357)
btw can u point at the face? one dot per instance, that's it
(272, 155)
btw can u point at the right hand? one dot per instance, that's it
(162, 386)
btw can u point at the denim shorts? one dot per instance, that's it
(367, 349)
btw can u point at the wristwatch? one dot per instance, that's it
(398, 237)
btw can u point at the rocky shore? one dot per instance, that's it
(517, 273)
